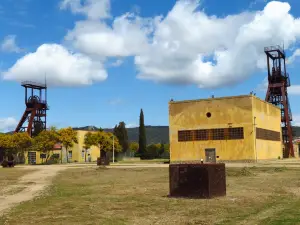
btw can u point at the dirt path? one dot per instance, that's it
(31, 185)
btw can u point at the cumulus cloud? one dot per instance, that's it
(294, 56)
(186, 46)
(62, 67)
(190, 47)
(9, 44)
(296, 120)
(126, 36)
(8, 124)
(93, 9)
(292, 90)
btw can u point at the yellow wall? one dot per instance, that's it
(225, 112)
(78, 148)
(267, 116)
(77, 155)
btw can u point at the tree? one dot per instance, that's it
(6, 144)
(105, 141)
(134, 147)
(45, 141)
(21, 141)
(120, 132)
(152, 151)
(67, 137)
(89, 140)
(142, 136)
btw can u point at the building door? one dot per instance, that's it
(31, 157)
(210, 155)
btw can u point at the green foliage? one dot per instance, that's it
(67, 137)
(134, 147)
(121, 133)
(45, 141)
(105, 141)
(142, 136)
(89, 141)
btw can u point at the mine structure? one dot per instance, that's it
(278, 82)
(34, 118)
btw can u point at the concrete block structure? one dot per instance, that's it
(239, 128)
(75, 154)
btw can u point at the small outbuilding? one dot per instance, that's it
(239, 128)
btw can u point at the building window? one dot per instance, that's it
(70, 155)
(185, 135)
(235, 133)
(211, 134)
(268, 135)
(218, 134)
(201, 135)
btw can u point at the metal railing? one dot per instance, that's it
(274, 48)
(33, 83)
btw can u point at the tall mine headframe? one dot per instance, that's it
(278, 82)
(34, 118)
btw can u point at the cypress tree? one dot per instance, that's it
(142, 136)
(120, 132)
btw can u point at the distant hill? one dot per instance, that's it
(296, 131)
(155, 134)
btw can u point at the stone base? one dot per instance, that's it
(103, 161)
(197, 180)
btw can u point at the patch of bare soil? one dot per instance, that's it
(28, 187)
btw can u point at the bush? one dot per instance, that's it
(6, 164)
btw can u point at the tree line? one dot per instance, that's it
(141, 149)
(14, 145)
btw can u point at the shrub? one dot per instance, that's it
(4, 163)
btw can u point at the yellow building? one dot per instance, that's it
(240, 128)
(75, 154)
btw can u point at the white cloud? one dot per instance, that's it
(295, 55)
(190, 47)
(296, 120)
(186, 46)
(116, 101)
(131, 125)
(292, 90)
(126, 37)
(8, 124)
(61, 67)
(117, 63)
(93, 9)
(9, 44)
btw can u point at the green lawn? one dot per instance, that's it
(139, 196)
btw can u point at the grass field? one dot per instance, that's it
(139, 196)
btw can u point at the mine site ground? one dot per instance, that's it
(137, 193)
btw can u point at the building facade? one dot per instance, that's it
(240, 128)
(75, 154)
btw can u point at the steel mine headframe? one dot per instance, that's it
(278, 82)
(34, 118)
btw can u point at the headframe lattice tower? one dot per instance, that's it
(34, 118)
(278, 82)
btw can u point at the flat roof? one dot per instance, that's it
(222, 98)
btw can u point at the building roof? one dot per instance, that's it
(221, 98)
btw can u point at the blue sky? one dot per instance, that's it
(121, 95)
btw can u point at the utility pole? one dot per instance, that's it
(254, 129)
(113, 149)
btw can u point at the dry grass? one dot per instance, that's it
(9, 177)
(139, 196)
